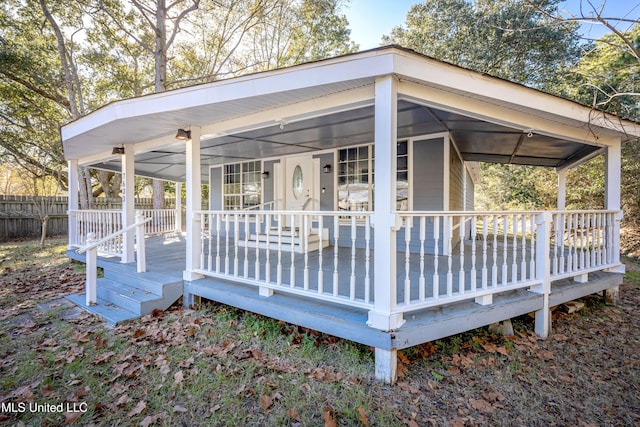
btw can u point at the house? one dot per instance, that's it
(341, 199)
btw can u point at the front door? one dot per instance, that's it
(299, 183)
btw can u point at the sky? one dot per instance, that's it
(370, 19)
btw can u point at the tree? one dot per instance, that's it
(505, 38)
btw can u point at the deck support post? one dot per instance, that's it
(194, 203)
(543, 273)
(128, 203)
(611, 295)
(386, 365)
(91, 268)
(73, 200)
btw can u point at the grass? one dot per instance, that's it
(220, 366)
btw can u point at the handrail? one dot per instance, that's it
(111, 236)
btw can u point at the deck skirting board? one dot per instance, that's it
(443, 321)
(333, 319)
(569, 290)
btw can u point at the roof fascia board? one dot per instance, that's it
(447, 75)
(352, 67)
(502, 115)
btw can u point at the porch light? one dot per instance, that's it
(265, 175)
(183, 135)
(117, 150)
(326, 168)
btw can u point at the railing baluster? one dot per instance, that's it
(449, 231)
(474, 233)
(532, 251)
(494, 267)
(582, 255)
(207, 230)
(421, 282)
(256, 263)
(367, 254)
(505, 261)
(461, 235)
(336, 236)
(514, 261)
(436, 239)
(236, 236)
(523, 262)
(218, 219)
(267, 267)
(279, 269)
(352, 281)
(292, 268)
(320, 244)
(247, 230)
(305, 227)
(598, 239)
(485, 236)
(226, 244)
(407, 259)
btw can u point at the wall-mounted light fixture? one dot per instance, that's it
(183, 135)
(326, 168)
(117, 150)
(265, 175)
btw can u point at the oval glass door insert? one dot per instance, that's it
(297, 182)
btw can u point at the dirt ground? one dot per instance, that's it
(220, 366)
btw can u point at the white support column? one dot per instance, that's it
(194, 203)
(128, 203)
(543, 273)
(562, 190)
(386, 106)
(178, 207)
(73, 199)
(613, 169)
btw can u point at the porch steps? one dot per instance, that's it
(287, 238)
(124, 294)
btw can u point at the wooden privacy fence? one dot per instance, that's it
(20, 215)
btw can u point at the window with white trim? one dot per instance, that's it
(242, 185)
(356, 177)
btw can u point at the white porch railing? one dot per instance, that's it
(100, 222)
(441, 257)
(94, 244)
(288, 251)
(162, 221)
(463, 255)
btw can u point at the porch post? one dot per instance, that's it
(178, 207)
(613, 168)
(73, 200)
(562, 190)
(543, 273)
(194, 203)
(128, 203)
(382, 316)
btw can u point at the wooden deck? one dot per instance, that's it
(166, 255)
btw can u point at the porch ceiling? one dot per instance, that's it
(476, 140)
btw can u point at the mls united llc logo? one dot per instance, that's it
(19, 407)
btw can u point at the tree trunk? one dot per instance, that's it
(43, 235)
(158, 194)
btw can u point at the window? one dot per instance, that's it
(356, 177)
(242, 186)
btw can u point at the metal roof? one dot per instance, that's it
(489, 119)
